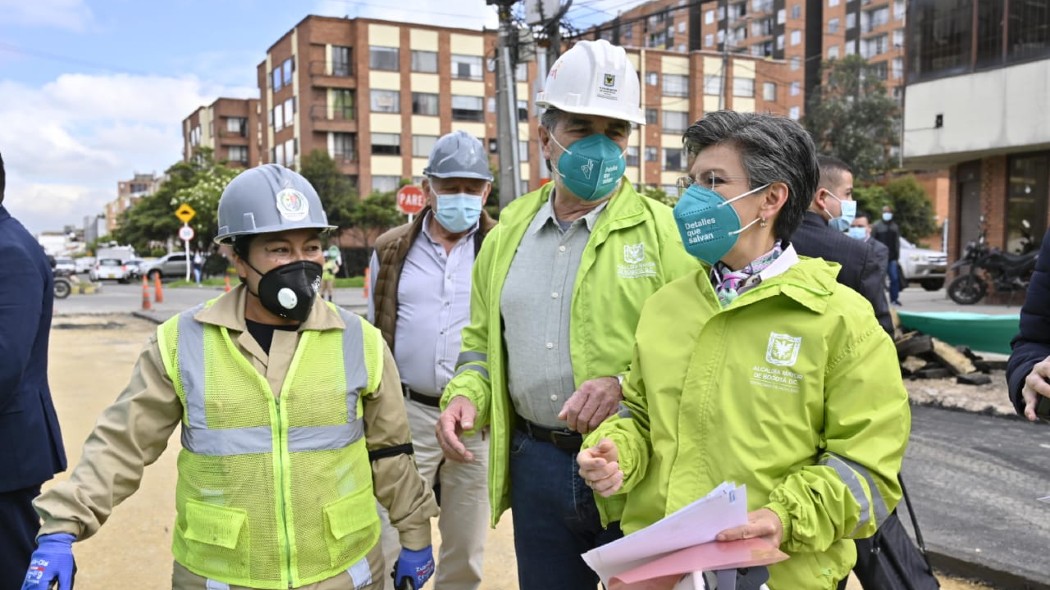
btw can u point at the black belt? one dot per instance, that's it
(434, 401)
(563, 438)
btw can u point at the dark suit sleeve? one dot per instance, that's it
(871, 282)
(21, 304)
(1032, 343)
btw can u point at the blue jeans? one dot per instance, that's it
(555, 517)
(893, 269)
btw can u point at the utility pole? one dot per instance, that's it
(723, 97)
(548, 15)
(507, 106)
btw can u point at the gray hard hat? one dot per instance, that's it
(458, 155)
(266, 199)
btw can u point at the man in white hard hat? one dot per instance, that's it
(420, 300)
(292, 425)
(558, 286)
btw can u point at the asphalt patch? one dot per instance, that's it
(92, 326)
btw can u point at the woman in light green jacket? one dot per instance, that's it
(758, 369)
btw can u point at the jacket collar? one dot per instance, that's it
(809, 282)
(622, 209)
(227, 311)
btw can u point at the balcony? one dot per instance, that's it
(347, 163)
(337, 119)
(330, 75)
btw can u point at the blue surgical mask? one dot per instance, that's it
(708, 224)
(458, 212)
(592, 168)
(887, 216)
(857, 233)
(849, 213)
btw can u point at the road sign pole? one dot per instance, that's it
(187, 242)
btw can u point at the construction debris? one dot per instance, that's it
(925, 357)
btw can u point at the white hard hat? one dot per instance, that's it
(594, 78)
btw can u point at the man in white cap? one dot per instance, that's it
(420, 300)
(557, 290)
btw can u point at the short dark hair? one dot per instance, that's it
(3, 179)
(864, 214)
(831, 170)
(241, 245)
(772, 148)
(551, 117)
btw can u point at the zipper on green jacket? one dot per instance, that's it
(286, 548)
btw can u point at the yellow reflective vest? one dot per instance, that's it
(273, 491)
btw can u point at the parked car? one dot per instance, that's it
(135, 267)
(64, 266)
(109, 269)
(920, 265)
(168, 266)
(84, 264)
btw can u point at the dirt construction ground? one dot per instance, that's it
(91, 360)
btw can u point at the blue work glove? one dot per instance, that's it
(413, 568)
(51, 562)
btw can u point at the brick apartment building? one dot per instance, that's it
(229, 126)
(128, 193)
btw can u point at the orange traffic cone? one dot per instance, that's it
(368, 280)
(227, 283)
(158, 292)
(145, 295)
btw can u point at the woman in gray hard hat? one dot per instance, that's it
(290, 409)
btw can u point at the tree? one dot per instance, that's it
(373, 216)
(851, 118)
(912, 209)
(336, 191)
(203, 195)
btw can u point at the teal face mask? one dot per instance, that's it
(849, 213)
(592, 168)
(708, 224)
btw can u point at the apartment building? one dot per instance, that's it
(128, 193)
(229, 127)
(978, 86)
(802, 33)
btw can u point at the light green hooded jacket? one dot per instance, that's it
(633, 250)
(792, 390)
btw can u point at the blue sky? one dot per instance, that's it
(92, 91)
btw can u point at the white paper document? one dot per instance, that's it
(724, 507)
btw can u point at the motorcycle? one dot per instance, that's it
(1005, 272)
(63, 287)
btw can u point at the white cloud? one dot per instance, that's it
(70, 15)
(466, 14)
(67, 143)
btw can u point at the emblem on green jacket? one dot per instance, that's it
(783, 349)
(634, 264)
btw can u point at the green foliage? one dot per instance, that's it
(335, 189)
(912, 208)
(851, 117)
(203, 195)
(871, 199)
(374, 215)
(658, 194)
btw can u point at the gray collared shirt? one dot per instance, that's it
(535, 304)
(433, 307)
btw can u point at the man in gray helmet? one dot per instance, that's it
(292, 424)
(420, 300)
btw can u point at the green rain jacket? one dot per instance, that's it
(793, 390)
(633, 250)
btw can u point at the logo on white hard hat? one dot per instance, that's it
(292, 204)
(610, 80)
(607, 89)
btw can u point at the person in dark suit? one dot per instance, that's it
(1028, 370)
(833, 204)
(31, 450)
(860, 229)
(889, 233)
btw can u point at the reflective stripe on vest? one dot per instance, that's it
(198, 438)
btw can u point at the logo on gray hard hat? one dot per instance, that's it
(292, 204)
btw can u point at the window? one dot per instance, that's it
(385, 184)
(769, 91)
(236, 126)
(709, 40)
(422, 144)
(874, 46)
(796, 88)
(523, 110)
(289, 112)
(796, 37)
(794, 113)
(277, 154)
(384, 58)
(879, 70)
(709, 17)
(628, 32)
(796, 63)
(467, 108)
(523, 151)
(833, 2)
(290, 152)
(850, 50)
(286, 70)
(650, 116)
(652, 78)
(781, 16)
(386, 144)
(833, 25)
(780, 41)
(424, 103)
(674, 159)
(744, 87)
(1027, 190)
(278, 117)
(833, 52)
(675, 85)
(651, 154)
(675, 122)
(343, 104)
(632, 155)
(712, 85)
(851, 20)
(796, 11)
(424, 61)
(897, 68)
(466, 67)
(386, 101)
(340, 60)
(1029, 30)
(277, 81)
(521, 72)
(898, 39)
(238, 153)
(898, 9)
(343, 147)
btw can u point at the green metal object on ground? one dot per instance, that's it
(979, 331)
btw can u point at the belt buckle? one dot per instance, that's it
(566, 441)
